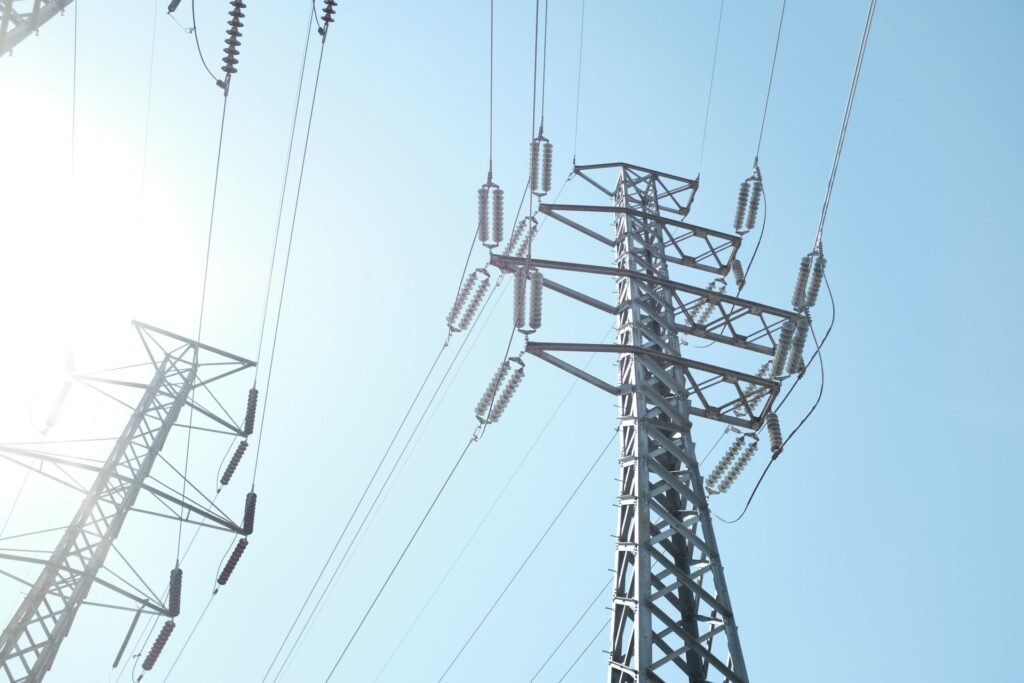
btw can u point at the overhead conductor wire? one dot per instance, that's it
(817, 248)
(711, 87)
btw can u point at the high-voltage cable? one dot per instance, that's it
(528, 557)
(586, 610)
(585, 649)
(711, 88)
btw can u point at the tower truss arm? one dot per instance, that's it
(21, 18)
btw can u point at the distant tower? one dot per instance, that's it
(672, 619)
(30, 642)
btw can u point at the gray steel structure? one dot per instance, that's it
(672, 619)
(30, 642)
(21, 18)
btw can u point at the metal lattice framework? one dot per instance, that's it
(672, 619)
(21, 18)
(31, 640)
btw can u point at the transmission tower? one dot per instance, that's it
(672, 618)
(182, 367)
(21, 18)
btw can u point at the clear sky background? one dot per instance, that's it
(883, 545)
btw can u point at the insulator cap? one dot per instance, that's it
(229, 471)
(232, 562)
(174, 593)
(158, 645)
(234, 39)
(328, 15)
(249, 517)
(250, 411)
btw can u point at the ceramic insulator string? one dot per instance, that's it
(796, 356)
(527, 286)
(174, 593)
(536, 299)
(782, 348)
(158, 645)
(522, 235)
(774, 432)
(249, 518)
(755, 201)
(250, 412)
(738, 468)
(800, 288)
(493, 403)
(229, 471)
(541, 155)
(229, 566)
(741, 205)
(490, 209)
(234, 40)
(328, 16)
(723, 464)
(814, 286)
(737, 272)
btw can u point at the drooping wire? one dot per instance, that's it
(202, 313)
(74, 88)
(149, 101)
(528, 557)
(472, 440)
(490, 112)
(572, 628)
(846, 122)
(199, 50)
(771, 78)
(711, 87)
(544, 67)
(579, 81)
(287, 261)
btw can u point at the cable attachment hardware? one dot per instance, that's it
(174, 593)
(541, 153)
(522, 237)
(774, 433)
(232, 562)
(796, 356)
(229, 471)
(738, 468)
(493, 403)
(535, 280)
(783, 347)
(250, 412)
(233, 41)
(328, 17)
(490, 220)
(249, 517)
(469, 299)
(158, 645)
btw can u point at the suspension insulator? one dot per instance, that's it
(249, 518)
(782, 348)
(232, 562)
(483, 406)
(173, 5)
(158, 645)
(501, 403)
(174, 593)
(250, 412)
(796, 356)
(475, 301)
(229, 471)
(738, 468)
(741, 206)
(535, 180)
(522, 236)
(483, 226)
(726, 460)
(755, 204)
(497, 215)
(774, 432)
(800, 287)
(234, 39)
(737, 272)
(545, 180)
(493, 403)
(536, 299)
(519, 299)
(328, 15)
(814, 286)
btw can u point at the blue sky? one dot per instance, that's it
(882, 545)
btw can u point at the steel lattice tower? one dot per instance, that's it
(672, 619)
(21, 18)
(31, 640)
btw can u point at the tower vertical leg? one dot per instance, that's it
(671, 615)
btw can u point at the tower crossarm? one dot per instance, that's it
(20, 18)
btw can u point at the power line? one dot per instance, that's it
(711, 87)
(528, 557)
(585, 649)
(572, 628)
(846, 122)
(771, 78)
(579, 80)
